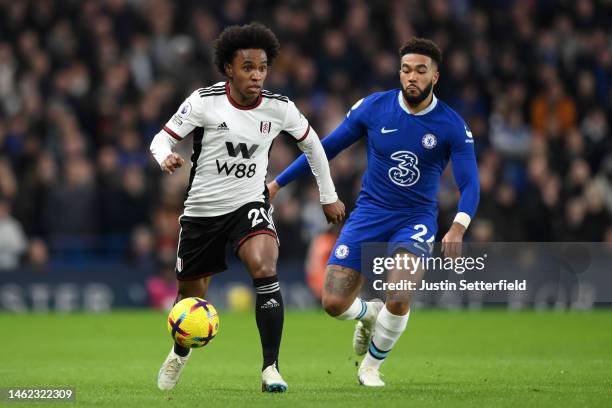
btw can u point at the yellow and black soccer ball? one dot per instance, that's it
(193, 322)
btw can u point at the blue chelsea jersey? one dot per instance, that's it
(406, 153)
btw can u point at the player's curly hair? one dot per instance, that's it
(236, 37)
(422, 46)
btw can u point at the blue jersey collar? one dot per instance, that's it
(432, 105)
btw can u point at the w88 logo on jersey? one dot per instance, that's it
(238, 170)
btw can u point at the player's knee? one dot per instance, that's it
(397, 307)
(263, 269)
(334, 305)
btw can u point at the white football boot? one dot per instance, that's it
(170, 370)
(370, 377)
(271, 380)
(364, 329)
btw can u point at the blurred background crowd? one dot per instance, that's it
(85, 85)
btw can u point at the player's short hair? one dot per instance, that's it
(247, 36)
(422, 46)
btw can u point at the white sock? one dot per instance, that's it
(388, 329)
(358, 310)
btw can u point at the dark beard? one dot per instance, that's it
(415, 100)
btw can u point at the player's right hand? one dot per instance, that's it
(273, 188)
(172, 162)
(334, 212)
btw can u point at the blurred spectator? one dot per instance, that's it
(8, 182)
(597, 218)
(35, 191)
(142, 249)
(542, 203)
(482, 230)
(72, 206)
(13, 241)
(510, 136)
(575, 227)
(553, 111)
(604, 182)
(38, 255)
(507, 215)
(134, 199)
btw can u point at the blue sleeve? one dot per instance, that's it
(465, 171)
(349, 131)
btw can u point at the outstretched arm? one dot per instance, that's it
(311, 146)
(296, 125)
(341, 138)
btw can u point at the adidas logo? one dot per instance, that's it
(270, 304)
(222, 126)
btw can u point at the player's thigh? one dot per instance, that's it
(259, 254)
(361, 228)
(193, 288)
(201, 248)
(254, 239)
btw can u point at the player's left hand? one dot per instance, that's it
(334, 212)
(451, 243)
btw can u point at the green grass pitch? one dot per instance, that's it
(486, 358)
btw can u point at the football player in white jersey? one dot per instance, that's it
(233, 124)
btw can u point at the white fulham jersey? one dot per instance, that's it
(231, 145)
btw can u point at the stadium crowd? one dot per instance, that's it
(85, 85)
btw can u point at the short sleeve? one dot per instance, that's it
(295, 123)
(187, 117)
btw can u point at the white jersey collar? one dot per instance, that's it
(432, 105)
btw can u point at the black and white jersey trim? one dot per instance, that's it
(268, 94)
(212, 87)
(211, 90)
(204, 94)
(211, 94)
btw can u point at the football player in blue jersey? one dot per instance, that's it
(411, 135)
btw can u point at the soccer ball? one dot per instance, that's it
(193, 322)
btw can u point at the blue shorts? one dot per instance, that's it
(412, 232)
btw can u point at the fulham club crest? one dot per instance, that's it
(265, 127)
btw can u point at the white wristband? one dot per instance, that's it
(463, 219)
